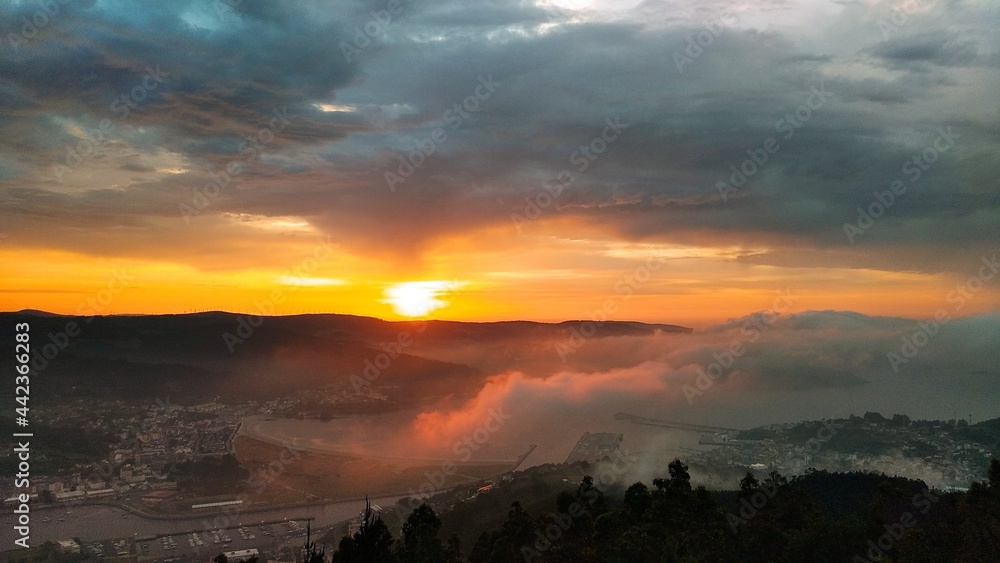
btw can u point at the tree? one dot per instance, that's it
(637, 501)
(587, 493)
(311, 553)
(680, 479)
(453, 551)
(372, 543)
(749, 484)
(775, 480)
(420, 542)
(510, 543)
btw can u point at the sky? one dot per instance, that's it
(666, 161)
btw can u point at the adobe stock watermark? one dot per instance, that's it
(225, 7)
(89, 307)
(913, 169)
(750, 332)
(626, 285)
(453, 117)
(122, 106)
(103, 473)
(698, 42)
(750, 507)
(251, 149)
(371, 30)
(618, 464)
(547, 536)
(900, 14)
(758, 157)
(390, 351)
(246, 324)
(583, 158)
(574, 4)
(463, 449)
(928, 329)
(877, 549)
(132, 441)
(561, 523)
(31, 28)
(259, 482)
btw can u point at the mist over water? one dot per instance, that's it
(808, 366)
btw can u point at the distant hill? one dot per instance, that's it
(371, 329)
(985, 432)
(203, 355)
(36, 313)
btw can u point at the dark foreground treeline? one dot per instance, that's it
(817, 517)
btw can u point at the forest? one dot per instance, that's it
(815, 517)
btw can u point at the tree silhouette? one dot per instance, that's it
(372, 543)
(507, 543)
(637, 501)
(311, 553)
(749, 484)
(819, 517)
(420, 542)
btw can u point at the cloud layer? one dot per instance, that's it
(698, 85)
(789, 368)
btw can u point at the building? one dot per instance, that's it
(69, 495)
(156, 497)
(241, 554)
(595, 446)
(216, 504)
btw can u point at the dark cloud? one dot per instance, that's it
(937, 48)
(229, 68)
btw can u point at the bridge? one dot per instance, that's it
(520, 459)
(671, 424)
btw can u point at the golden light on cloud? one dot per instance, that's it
(343, 108)
(309, 282)
(419, 298)
(269, 223)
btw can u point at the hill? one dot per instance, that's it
(235, 357)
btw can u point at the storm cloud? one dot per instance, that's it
(189, 88)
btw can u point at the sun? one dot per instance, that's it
(419, 298)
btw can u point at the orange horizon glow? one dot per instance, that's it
(695, 290)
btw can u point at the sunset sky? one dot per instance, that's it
(673, 161)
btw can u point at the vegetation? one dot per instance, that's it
(48, 552)
(210, 475)
(373, 543)
(58, 446)
(817, 517)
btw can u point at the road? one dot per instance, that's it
(671, 424)
(91, 523)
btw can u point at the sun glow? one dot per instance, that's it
(419, 298)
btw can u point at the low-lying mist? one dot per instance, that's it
(744, 373)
